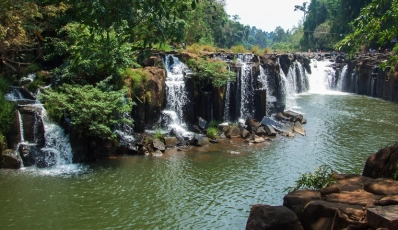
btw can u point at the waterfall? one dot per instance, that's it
(227, 102)
(265, 86)
(56, 150)
(245, 87)
(342, 76)
(176, 95)
(303, 78)
(288, 88)
(56, 142)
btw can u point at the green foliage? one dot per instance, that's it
(239, 49)
(211, 71)
(158, 135)
(323, 177)
(136, 82)
(93, 112)
(92, 57)
(162, 47)
(41, 79)
(212, 132)
(7, 109)
(3, 144)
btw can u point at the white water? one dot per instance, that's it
(342, 77)
(245, 86)
(57, 146)
(227, 102)
(288, 88)
(321, 77)
(265, 86)
(176, 95)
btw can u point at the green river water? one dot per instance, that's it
(198, 189)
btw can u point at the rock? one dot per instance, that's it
(257, 139)
(157, 153)
(276, 125)
(28, 153)
(382, 164)
(199, 140)
(232, 131)
(382, 186)
(152, 61)
(297, 200)
(252, 124)
(171, 142)
(280, 117)
(293, 116)
(33, 126)
(387, 200)
(319, 215)
(202, 123)
(181, 139)
(261, 131)
(10, 160)
(143, 151)
(267, 217)
(270, 131)
(158, 144)
(383, 217)
(245, 134)
(329, 190)
(298, 128)
(359, 197)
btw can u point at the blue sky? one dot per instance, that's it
(266, 14)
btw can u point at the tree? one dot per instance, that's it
(377, 22)
(302, 8)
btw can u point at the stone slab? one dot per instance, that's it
(383, 217)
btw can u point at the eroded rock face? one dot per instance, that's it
(267, 217)
(10, 160)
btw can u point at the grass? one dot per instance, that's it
(212, 133)
(238, 49)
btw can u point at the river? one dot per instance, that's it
(199, 189)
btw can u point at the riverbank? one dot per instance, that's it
(367, 201)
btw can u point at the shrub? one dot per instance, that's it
(323, 177)
(212, 132)
(93, 112)
(239, 49)
(211, 71)
(194, 48)
(158, 135)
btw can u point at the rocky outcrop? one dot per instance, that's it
(10, 159)
(384, 163)
(353, 202)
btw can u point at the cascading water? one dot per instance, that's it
(262, 78)
(245, 87)
(57, 151)
(341, 79)
(176, 96)
(321, 77)
(303, 77)
(288, 89)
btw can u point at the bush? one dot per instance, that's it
(93, 113)
(158, 135)
(323, 177)
(238, 49)
(212, 132)
(211, 71)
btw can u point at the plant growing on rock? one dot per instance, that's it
(323, 177)
(212, 71)
(212, 132)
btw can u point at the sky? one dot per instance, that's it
(266, 14)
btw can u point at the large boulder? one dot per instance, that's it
(320, 215)
(297, 200)
(383, 163)
(10, 160)
(232, 132)
(252, 124)
(382, 186)
(199, 140)
(267, 217)
(294, 116)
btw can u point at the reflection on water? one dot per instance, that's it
(205, 189)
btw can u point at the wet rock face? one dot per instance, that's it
(10, 160)
(267, 217)
(384, 163)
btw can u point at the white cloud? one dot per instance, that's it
(266, 14)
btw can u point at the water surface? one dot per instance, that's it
(204, 189)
